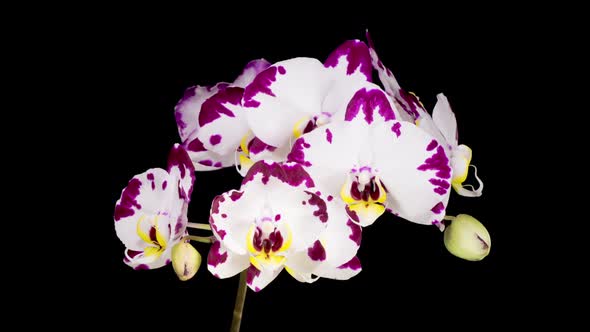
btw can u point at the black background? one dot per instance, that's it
(138, 68)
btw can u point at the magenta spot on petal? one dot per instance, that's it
(440, 191)
(168, 261)
(328, 135)
(441, 185)
(396, 128)
(352, 214)
(257, 289)
(319, 193)
(277, 217)
(408, 102)
(164, 184)
(256, 146)
(357, 57)
(354, 264)
(438, 162)
(321, 211)
(215, 205)
(219, 231)
(303, 202)
(215, 256)
(261, 84)
(330, 198)
(217, 164)
(178, 158)
(150, 176)
(297, 153)
(317, 251)
(433, 144)
(125, 207)
(252, 273)
(438, 208)
(213, 107)
(206, 162)
(368, 101)
(215, 139)
(235, 195)
(142, 267)
(223, 215)
(153, 186)
(293, 175)
(356, 232)
(196, 146)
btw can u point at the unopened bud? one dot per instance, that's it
(185, 260)
(467, 238)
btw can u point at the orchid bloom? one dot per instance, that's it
(375, 163)
(211, 121)
(151, 215)
(276, 221)
(294, 96)
(442, 125)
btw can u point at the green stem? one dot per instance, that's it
(239, 306)
(195, 225)
(450, 218)
(202, 239)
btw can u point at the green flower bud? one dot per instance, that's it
(467, 238)
(185, 260)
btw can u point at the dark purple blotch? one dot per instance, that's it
(317, 252)
(128, 200)
(215, 256)
(368, 101)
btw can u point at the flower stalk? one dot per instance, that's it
(239, 306)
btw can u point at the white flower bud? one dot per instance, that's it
(467, 238)
(185, 260)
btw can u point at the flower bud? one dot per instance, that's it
(185, 260)
(467, 238)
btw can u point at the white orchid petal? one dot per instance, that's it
(223, 263)
(232, 214)
(413, 167)
(250, 71)
(222, 121)
(281, 95)
(351, 60)
(350, 98)
(204, 160)
(188, 108)
(150, 198)
(342, 237)
(342, 272)
(330, 152)
(445, 120)
(258, 279)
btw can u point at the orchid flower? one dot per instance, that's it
(375, 163)
(151, 215)
(294, 96)
(211, 120)
(278, 221)
(442, 125)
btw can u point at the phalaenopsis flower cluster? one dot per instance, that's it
(323, 152)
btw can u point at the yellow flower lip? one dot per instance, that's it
(155, 239)
(365, 195)
(266, 244)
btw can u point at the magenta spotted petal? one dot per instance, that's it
(151, 215)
